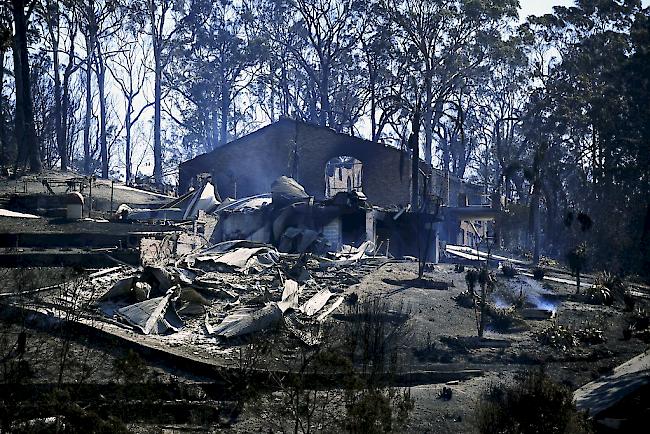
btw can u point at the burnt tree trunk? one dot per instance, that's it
(3, 140)
(127, 144)
(25, 129)
(52, 27)
(157, 143)
(65, 147)
(326, 109)
(536, 224)
(225, 110)
(157, 28)
(65, 108)
(284, 85)
(90, 41)
(428, 119)
(481, 324)
(101, 85)
(414, 146)
(372, 83)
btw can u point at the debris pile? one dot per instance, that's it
(232, 289)
(271, 259)
(289, 219)
(286, 217)
(186, 207)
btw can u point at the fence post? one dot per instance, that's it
(112, 186)
(90, 199)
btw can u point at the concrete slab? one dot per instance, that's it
(470, 253)
(601, 394)
(14, 214)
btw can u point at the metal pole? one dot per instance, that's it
(90, 199)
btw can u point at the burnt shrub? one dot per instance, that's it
(371, 412)
(377, 411)
(557, 336)
(130, 368)
(590, 335)
(503, 320)
(508, 270)
(629, 301)
(465, 299)
(361, 356)
(67, 416)
(538, 273)
(598, 295)
(613, 288)
(639, 320)
(612, 282)
(638, 326)
(533, 404)
(471, 278)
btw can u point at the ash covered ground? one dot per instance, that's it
(435, 338)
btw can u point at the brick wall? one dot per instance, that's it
(380, 179)
(250, 164)
(246, 166)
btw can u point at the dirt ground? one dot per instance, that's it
(442, 336)
(439, 334)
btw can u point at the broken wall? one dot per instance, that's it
(462, 193)
(248, 165)
(244, 167)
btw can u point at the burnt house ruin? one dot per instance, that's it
(328, 164)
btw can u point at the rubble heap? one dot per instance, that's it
(232, 289)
